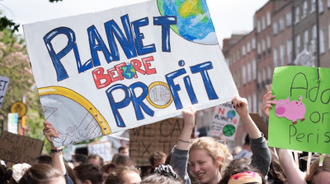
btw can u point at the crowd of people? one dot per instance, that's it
(191, 161)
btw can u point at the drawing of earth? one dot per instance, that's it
(194, 22)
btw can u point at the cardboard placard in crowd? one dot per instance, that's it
(160, 136)
(19, 149)
(103, 149)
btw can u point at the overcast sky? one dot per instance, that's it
(229, 16)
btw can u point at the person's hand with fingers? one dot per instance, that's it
(267, 103)
(241, 106)
(49, 132)
(189, 117)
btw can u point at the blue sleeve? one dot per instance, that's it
(68, 180)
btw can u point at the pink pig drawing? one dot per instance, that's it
(293, 110)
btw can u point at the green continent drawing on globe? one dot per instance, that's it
(193, 20)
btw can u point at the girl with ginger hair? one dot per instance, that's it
(207, 157)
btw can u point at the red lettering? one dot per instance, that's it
(222, 111)
(119, 70)
(147, 65)
(98, 76)
(137, 65)
(111, 73)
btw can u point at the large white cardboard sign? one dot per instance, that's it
(126, 67)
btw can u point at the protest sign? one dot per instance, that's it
(118, 69)
(3, 87)
(300, 118)
(13, 123)
(225, 121)
(19, 149)
(103, 149)
(160, 136)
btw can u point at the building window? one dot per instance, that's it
(313, 3)
(282, 55)
(297, 44)
(321, 9)
(244, 74)
(263, 45)
(288, 19)
(289, 51)
(268, 45)
(322, 41)
(254, 69)
(239, 78)
(297, 15)
(243, 50)
(249, 72)
(275, 57)
(269, 20)
(281, 22)
(306, 39)
(264, 79)
(305, 7)
(263, 22)
(249, 102)
(259, 78)
(253, 43)
(269, 74)
(227, 61)
(255, 106)
(314, 38)
(248, 47)
(329, 33)
(328, 3)
(275, 28)
(259, 27)
(259, 51)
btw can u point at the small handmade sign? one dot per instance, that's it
(123, 68)
(225, 121)
(103, 149)
(3, 86)
(300, 119)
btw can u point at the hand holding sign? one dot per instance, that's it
(49, 132)
(267, 104)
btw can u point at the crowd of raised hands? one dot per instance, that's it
(199, 160)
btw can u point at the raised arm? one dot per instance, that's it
(180, 153)
(261, 157)
(267, 103)
(57, 158)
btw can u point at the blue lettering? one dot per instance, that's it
(190, 90)
(138, 101)
(94, 35)
(127, 44)
(60, 70)
(141, 49)
(165, 22)
(202, 69)
(175, 88)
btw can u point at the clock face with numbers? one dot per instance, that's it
(159, 95)
(68, 106)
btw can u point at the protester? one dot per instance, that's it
(123, 150)
(57, 158)
(5, 174)
(123, 160)
(241, 171)
(79, 159)
(319, 171)
(40, 174)
(157, 158)
(88, 173)
(107, 168)
(163, 174)
(246, 149)
(43, 159)
(124, 175)
(95, 159)
(208, 157)
(276, 173)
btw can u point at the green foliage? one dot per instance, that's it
(6, 23)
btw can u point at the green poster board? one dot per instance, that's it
(300, 120)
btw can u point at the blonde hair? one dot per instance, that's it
(213, 148)
(316, 169)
